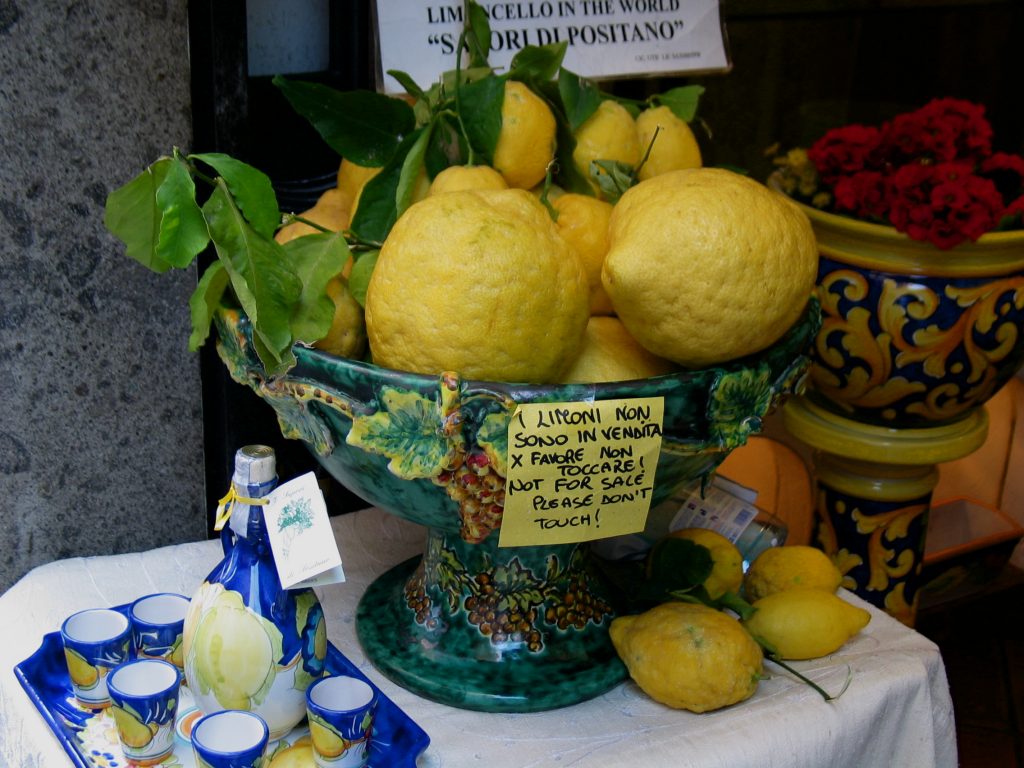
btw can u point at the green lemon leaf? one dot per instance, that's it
(478, 34)
(183, 234)
(261, 278)
(132, 215)
(682, 101)
(568, 176)
(480, 106)
(538, 63)
(377, 209)
(492, 436)
(678, 564)
(411, 168)
(359, 277)
(446, 146)
(363, 126)
(316, 260)
(405, 80)
(580, 98)
(407, 430)
(251, 189)
(613, 178)
(204, 302)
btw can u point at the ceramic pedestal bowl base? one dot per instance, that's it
(513, 629)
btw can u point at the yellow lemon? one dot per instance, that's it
(352, 178)
(790, 567)
(331, 212)
(464, 177)
(233, 651)
(347, 334)
(583, 223)
(479, 283)
(133, 731)
(297, 755)
(805, 623)
(727, 562)
(675, 147)
(526, 143)
(688, 656)
(609, 353)
(327, 742)
(608, 134)
(82, 673)
(705, 265)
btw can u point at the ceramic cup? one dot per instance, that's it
(157, 624)
(144, 701)
(340, 710)
(231, 738)
(95, 641)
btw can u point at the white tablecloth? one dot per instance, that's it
(897, 710)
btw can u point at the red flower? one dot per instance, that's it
(843, 151)
(971, 132)
(944, 204)
(864, 194)
(930, 172)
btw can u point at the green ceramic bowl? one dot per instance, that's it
(471, 624)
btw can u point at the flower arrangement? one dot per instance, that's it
(930, 173)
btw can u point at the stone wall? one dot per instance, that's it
(101, 443)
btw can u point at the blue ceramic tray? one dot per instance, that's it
(90, 737)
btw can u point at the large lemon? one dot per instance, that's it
(330, 212)
(352, 178)
(608, 134)
(675, 147)
(688, 656)
(790, 567)
(526, 142)
(583, 223)
(347, 334)
(705, 265)
(609, 353)
(727, 562)
(805, 623)
(457, 178)
(479, 283)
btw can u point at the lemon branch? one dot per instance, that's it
(773, 657)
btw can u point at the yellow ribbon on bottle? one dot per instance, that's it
(224, 506)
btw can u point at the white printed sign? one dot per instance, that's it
(300, 533)
(606, 39)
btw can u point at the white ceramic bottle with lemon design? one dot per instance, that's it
(248, 643)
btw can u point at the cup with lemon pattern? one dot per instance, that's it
(95, 641)
(144, 695)
(341, 710)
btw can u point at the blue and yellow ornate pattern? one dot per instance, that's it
(911, 351)
(878, 546)
(913, 336)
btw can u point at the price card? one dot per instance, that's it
(605, 38)
(301, 536)
(580, 471)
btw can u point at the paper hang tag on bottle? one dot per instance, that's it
(300, 535)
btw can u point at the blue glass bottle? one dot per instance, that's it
(248, 643)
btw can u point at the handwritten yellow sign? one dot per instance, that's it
(580, 471)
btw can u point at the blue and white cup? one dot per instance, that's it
(95, 641)
(341, 710)
(231, 738)
(144, 696)
(158, 622)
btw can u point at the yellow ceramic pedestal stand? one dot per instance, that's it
(873, 489)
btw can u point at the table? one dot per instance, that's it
(897, 710)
